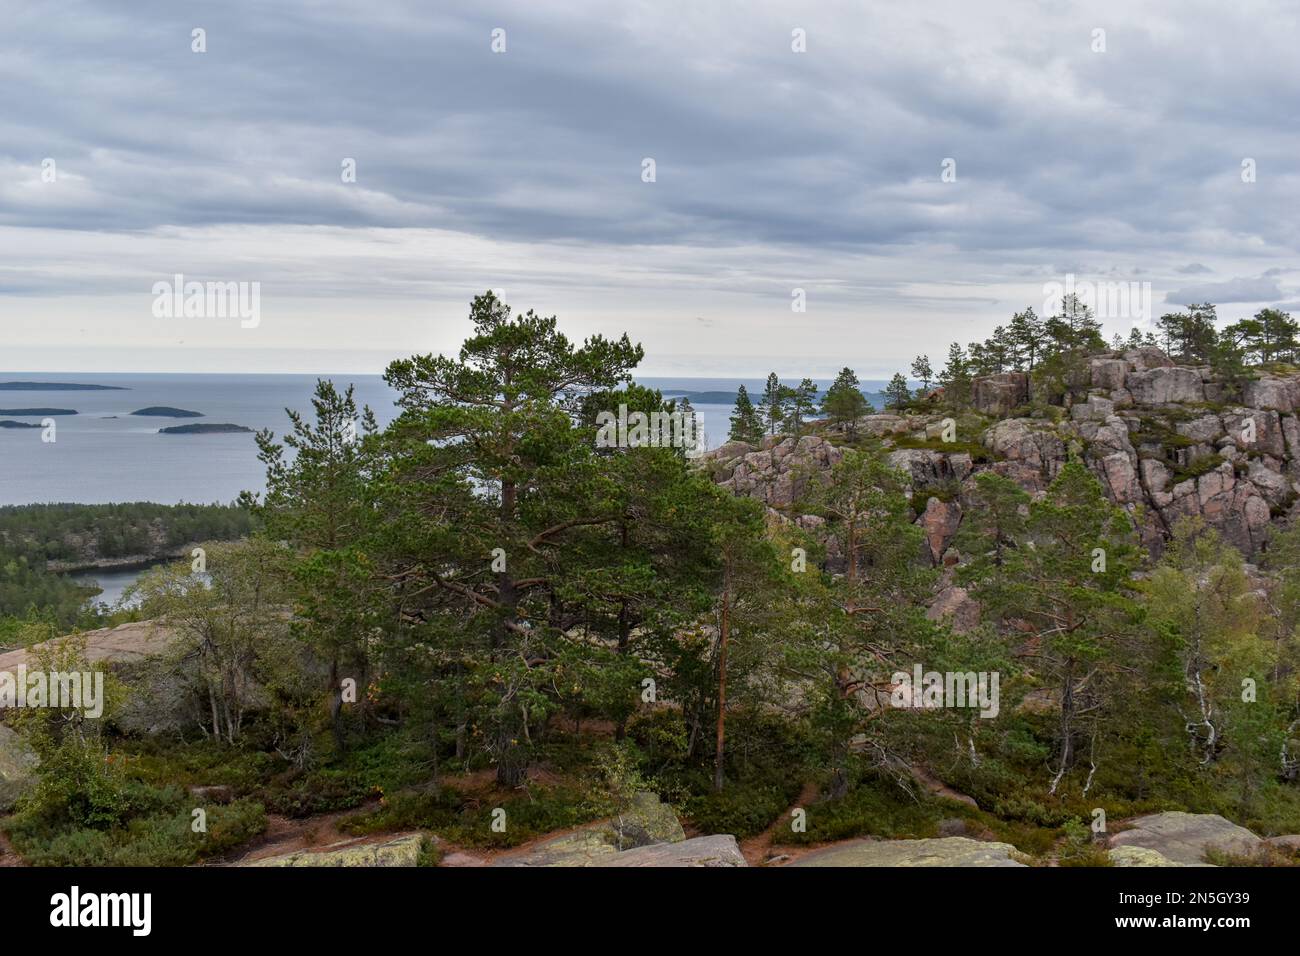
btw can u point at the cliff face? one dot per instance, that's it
(1165, 441)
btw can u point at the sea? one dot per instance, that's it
(105, 454)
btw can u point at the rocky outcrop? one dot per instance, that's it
(706, 851)
(777, 472)
(646, 822)
(401, 850)
(1159, 436)
(1163, 386)
(1186, 837)
(1140, 856)
(1000, 394)
(944, 851)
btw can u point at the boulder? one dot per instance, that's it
(401, 850)
(1147, 357)
(1028, 441)
(1000, 394)
(1162, 386)
(940, 521)
(955, 605)
(878, 426)
(1108, 373)
(1269, 391)
(942, 851)
(17, 767)
(1140, 856)
(646, 822)
(1186, 837)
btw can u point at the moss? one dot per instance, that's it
(1197, 468)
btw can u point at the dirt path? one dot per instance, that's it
(757, 849)
(7, 855)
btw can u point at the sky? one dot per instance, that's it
(913, 173)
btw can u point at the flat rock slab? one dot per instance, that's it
(588, 848)
(399, 851)
(1186, 837)
(1141, 856)
(125, 643)
(715, 851)
(944, 851)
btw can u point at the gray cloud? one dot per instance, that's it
(774, 169)
(1262, 289)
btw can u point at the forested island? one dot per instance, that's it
(37, 412)
(480, 626)
(166, 411)
(204, 429)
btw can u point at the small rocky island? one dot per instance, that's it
(166, 411)
(204, 429)
(12, 424)
(34, 412)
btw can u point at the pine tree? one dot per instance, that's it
(844, 402)
(922, 371)
(746, 426)
(803, 404)
(897, 394)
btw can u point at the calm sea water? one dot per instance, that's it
(105, 454)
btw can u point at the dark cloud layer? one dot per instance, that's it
(1126, 161)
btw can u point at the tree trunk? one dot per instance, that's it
(724, 633)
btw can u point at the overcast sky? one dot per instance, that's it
(522, 171)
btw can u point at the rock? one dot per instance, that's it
(1186, 837)
(402, 850)
(1094, 409)
(1000, 394)
(1108, 373)
(878, 426)
(590, 848)
(925, 467)
(940, 521)
(17, 767)
(648, 821)
(705, 851)
(1147, 357)
(1140, 856)
(1268, 391)
(1290, 842)
(956, 606)
(1161, 386)
(943, 851)
(1027, 441)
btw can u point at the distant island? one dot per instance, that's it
(11, 424)
(58, 387)
(206, 429)
(29, 412)
(166, 411)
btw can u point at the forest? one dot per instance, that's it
(480, 607)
